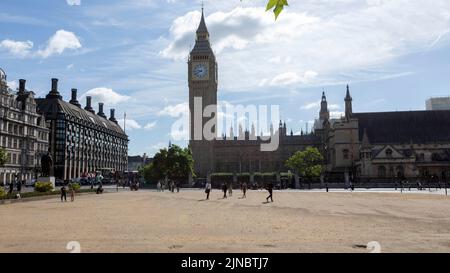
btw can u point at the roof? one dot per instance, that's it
(202, 26)
(405, 127)
(51, 107)
(202, 45)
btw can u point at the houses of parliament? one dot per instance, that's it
(369, 146)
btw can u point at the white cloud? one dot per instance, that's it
(13, 85)
(312, 105)
(175, 110)
(331, 42)
(59, 42)
(73, 2)
(316, 105)
(149, 126)
(17, 48)
(106, 95)
(289, 78)
(130, 124)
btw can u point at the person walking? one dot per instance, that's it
(207, 189)
(72, 193)
(11, 186)
(158, 186)
(63, 194)
(19, 186)
(244, 190)
(270, 190)
(230, 189)
(224, 189)
(177, 184)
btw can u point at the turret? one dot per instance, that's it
(324, 113)
(348, 104)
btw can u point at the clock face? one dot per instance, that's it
(200, 71)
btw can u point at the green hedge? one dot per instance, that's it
(2, 192)
(75, 186)
(43, 187)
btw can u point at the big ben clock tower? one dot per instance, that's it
(202, 74)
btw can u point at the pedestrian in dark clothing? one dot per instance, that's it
(63, 194)
(19, 187)
(178, 186)
(224, 189)
(244, 190)
(100, 189)
(326, 186)
(270, 190)
(11, 187)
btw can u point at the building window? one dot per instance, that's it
(389, 153)
(400, 171)
(381, 171)
(345, 154)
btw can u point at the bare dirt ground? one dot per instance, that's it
(147, 221)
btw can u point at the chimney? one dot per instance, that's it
(112, 117)
(74, 100)
(88, 105)
(100, 110)
(54, 94)
(22, 86)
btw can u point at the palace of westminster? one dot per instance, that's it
(369, 146)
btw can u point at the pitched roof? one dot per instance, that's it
(202, 26)
(404, 127)
(51, 107)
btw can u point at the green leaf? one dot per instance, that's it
(278, 10)
(271, 4)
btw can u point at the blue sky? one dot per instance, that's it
(131, 55)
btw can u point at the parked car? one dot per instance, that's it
(30, 183)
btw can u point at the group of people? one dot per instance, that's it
(18, 184)
(172, 186)
(64, 193)
(244, 187)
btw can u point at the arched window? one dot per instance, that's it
(400, 171)
(381, 171)
(391, 171)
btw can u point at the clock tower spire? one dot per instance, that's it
(203, 81)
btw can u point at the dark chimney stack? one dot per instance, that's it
(100, 110)
(22, 86)
(88, 105)
(54, 85)
(54, 94)
(112, 117)
(74, 100)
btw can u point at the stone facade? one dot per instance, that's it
(24, 133)
(388, 146)
(82, 141)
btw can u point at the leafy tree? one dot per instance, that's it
(307, 163)
(3, 157)
(174, 163)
